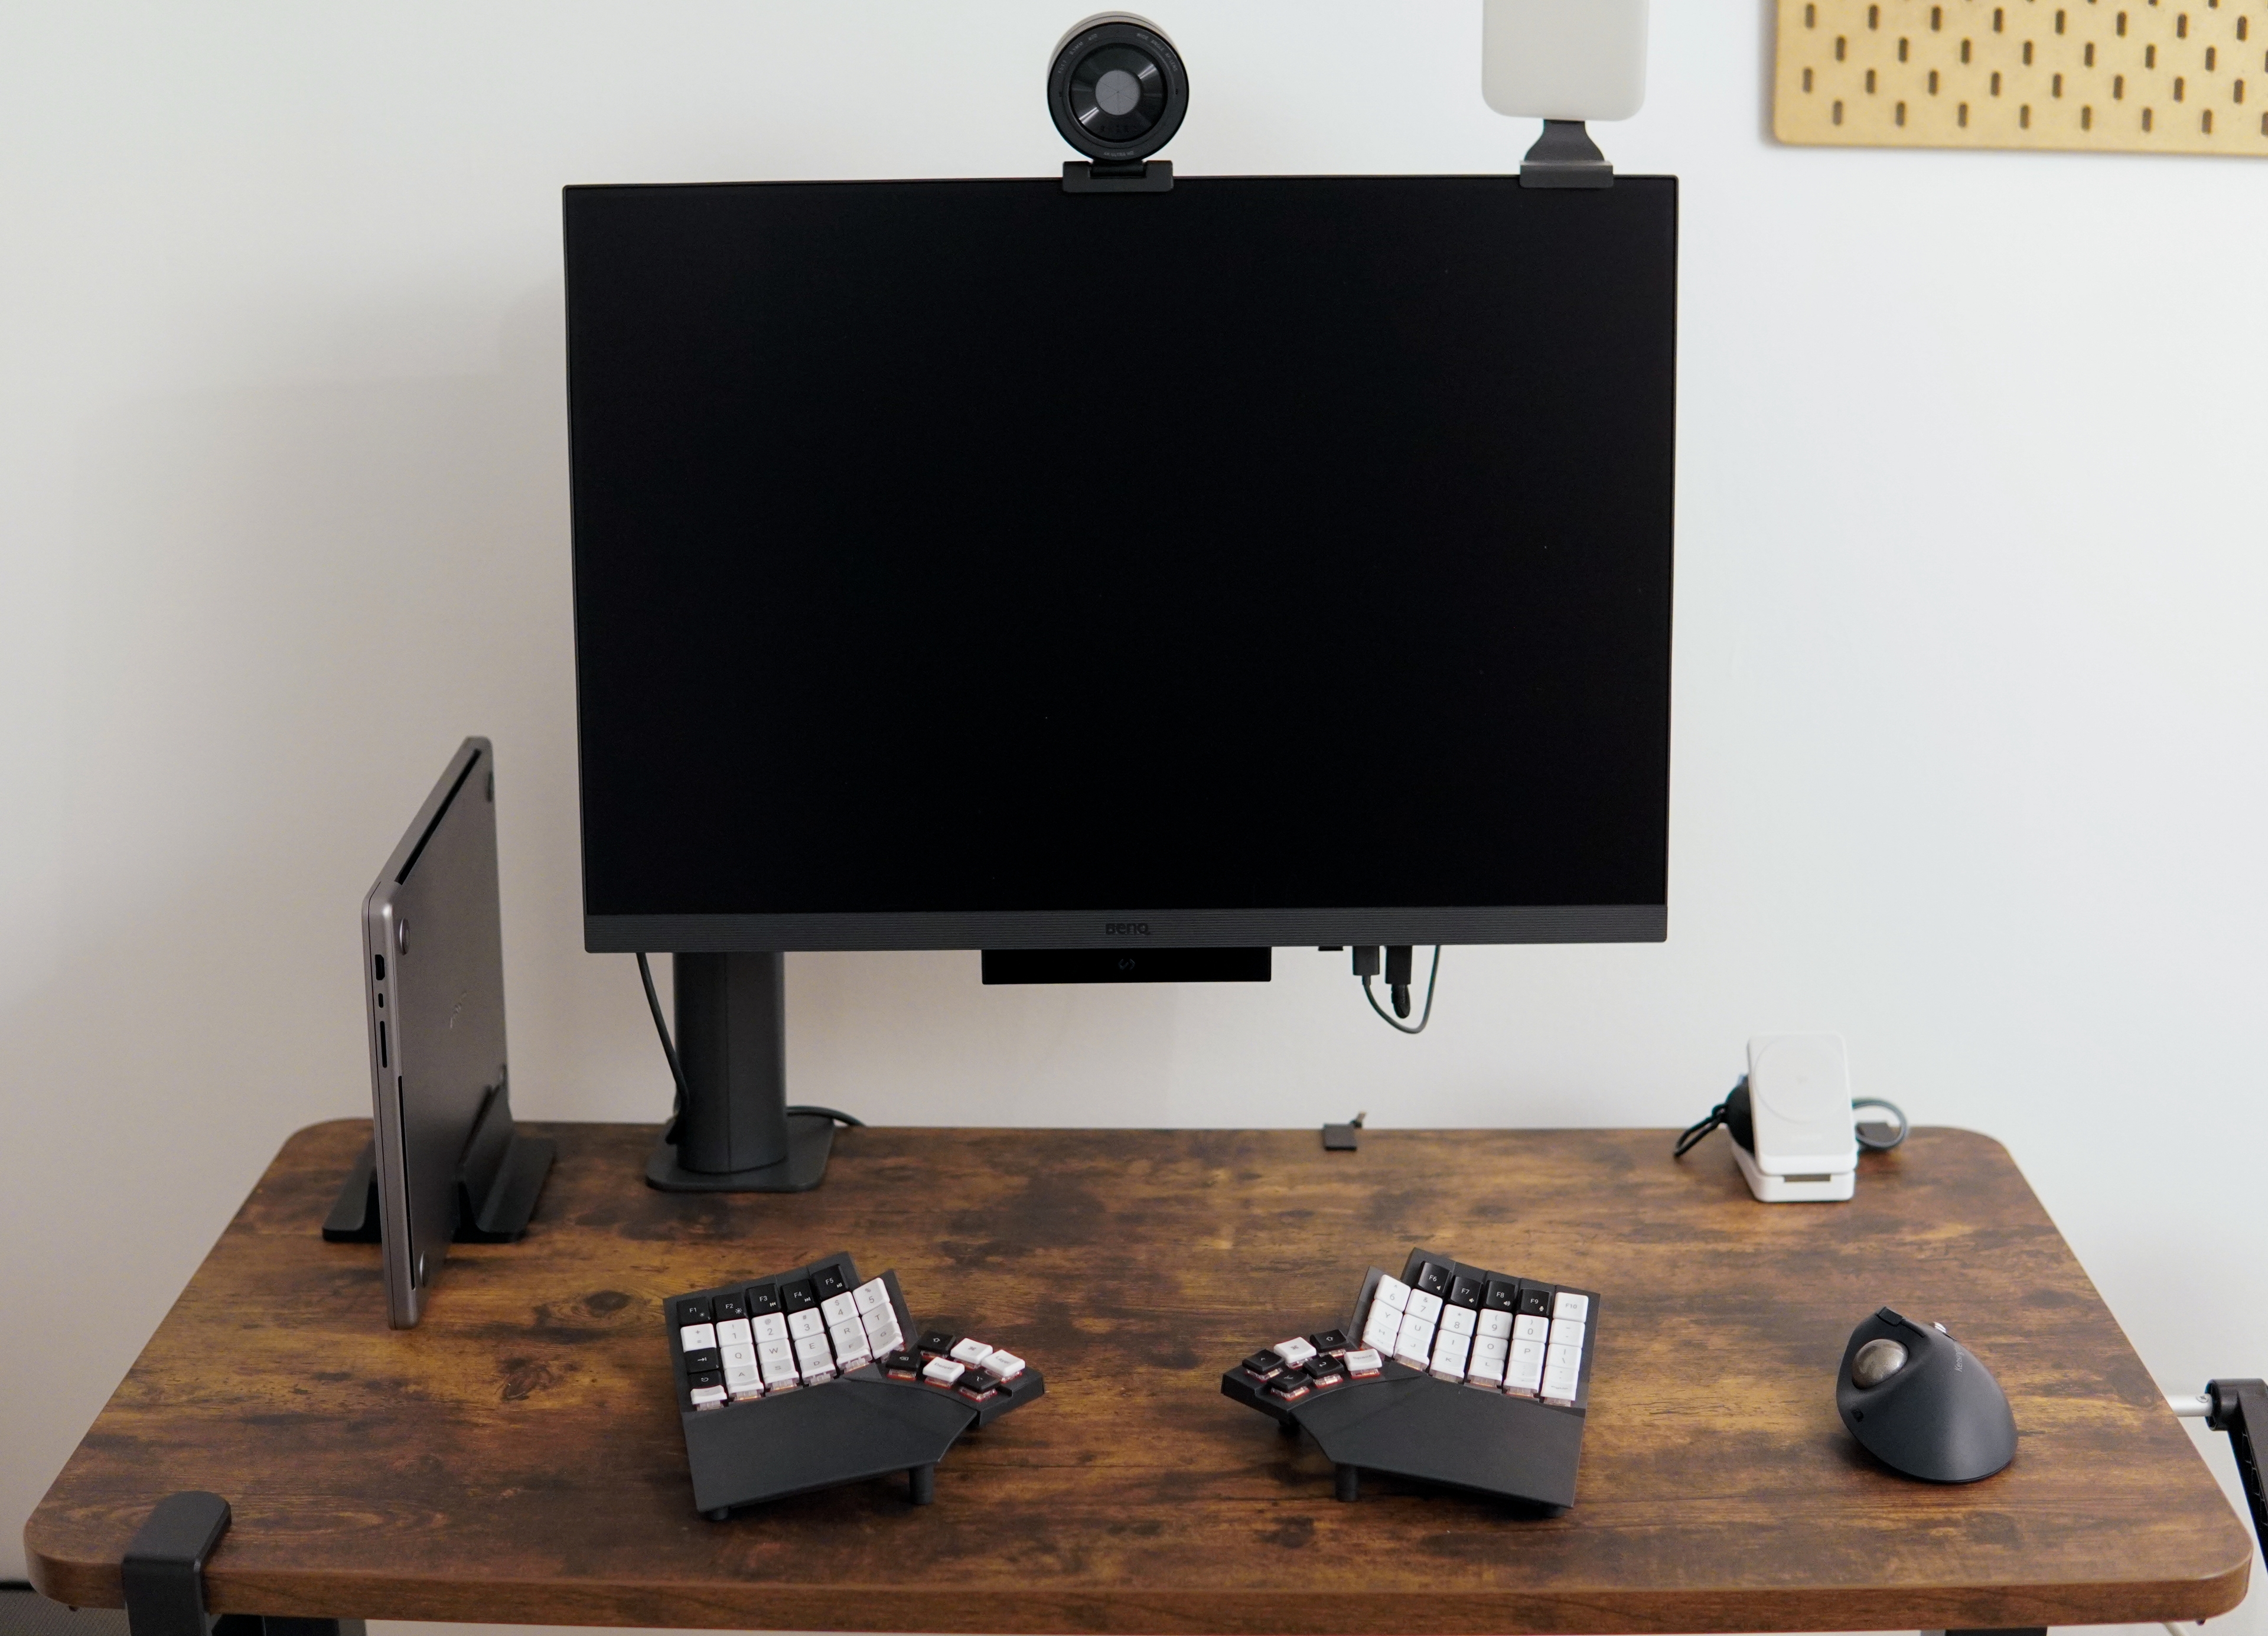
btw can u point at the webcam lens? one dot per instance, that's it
(1117, 92)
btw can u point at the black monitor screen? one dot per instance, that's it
(973, 562)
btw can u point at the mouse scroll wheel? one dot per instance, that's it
(1876, 1361)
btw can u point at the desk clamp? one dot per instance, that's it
(2234, 1406)
(163, 1574)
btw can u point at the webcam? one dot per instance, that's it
(1118, 91)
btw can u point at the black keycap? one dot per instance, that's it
(1292, 1383)
(704, 1361)
(1326, 1371)
(1328, 1341)
(1264, 1366)
(761, 1299)
(829, 1282)
(1534, 1300)
(978, 1384)
(939, 1341)
(693, 1309)
(730, 1307)
(903, 1362)
(797, 1296)
(1503, 1295)
(1464, 1291)
(1433, 1278)
(713, 1377)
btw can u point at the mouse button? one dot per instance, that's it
(1893, 1319)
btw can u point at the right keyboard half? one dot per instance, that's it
(1454, 1374)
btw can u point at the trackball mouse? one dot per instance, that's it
(1919, 1402)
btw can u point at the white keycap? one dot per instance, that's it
(736, 1358)
(707, 1396)
(846, 1362)
(1365, 1361)
(807, 1321)
(1459, 1321)
(1531, 1328)
(1568, 1305)
(1294, 1352)
(870, 1294)
(1392, 1292)
(1566, 1332)
(734, 1332)
(1449, 1351)
(848, 1336)
(816, 1373)
(1488, 1369)
(1006, 1365)
(776, 1359)
(1414, 1346)
(971, 1352)
(944, 1371)
(882, 1332)
(1423, 1306)
(1523, 1369)
(770, 1327)
(1559, 1357)
(1496, 1325)
(698, 1336)
(1487, 1347)
(1559, 1384)
(739, 1381)
(1385, 1323)
(838, 1309)
(810, 1349)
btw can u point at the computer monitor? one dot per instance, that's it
(977, 564)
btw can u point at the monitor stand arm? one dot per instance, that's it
(734, 1134)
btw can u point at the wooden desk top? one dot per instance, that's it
(518, 1458)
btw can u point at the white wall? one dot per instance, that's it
(1970, 755)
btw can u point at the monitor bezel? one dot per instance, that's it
(1170, 928)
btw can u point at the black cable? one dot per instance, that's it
(1432, 979)
(653, 1004)
(1695, 1133)
(677, 1071)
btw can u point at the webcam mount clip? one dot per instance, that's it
(1144, 176)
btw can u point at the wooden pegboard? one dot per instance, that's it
(2126, 75)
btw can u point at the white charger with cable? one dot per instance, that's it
(1803, 1134)
(1795, 1126)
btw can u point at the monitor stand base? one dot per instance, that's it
(810, 1140)
(733, 1133)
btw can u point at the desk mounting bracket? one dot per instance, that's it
(2240, 1408)
(162, 1573)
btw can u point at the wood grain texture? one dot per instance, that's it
(2123, 75)
(518, 1458)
